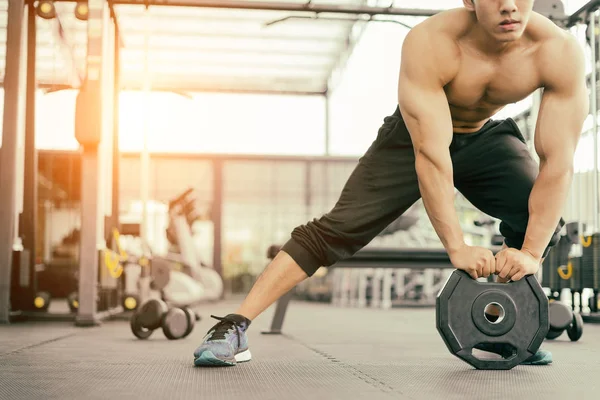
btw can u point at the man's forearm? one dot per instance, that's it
(437, 191)
(546, 203)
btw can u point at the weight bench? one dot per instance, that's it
(374, 258)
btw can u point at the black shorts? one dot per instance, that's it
(493, 169)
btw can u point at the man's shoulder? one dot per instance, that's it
(440, 31)
(548, 35)
(559, 56)
(450, 23)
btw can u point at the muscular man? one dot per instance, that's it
(458, 69)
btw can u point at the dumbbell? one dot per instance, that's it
(562, 318)
(73, 301)
(176, 323)
(41, 301)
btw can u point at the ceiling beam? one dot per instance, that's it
(190, 88)
(285, 6)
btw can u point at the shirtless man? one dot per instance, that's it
(458, 69)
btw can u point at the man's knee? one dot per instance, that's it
(513, 238)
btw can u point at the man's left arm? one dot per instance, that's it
(563, 109)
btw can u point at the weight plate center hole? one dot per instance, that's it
(494, 313)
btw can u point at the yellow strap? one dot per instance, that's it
(112, 264)
(586, 242)
(120, 250)
(569, 272)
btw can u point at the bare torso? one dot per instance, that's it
(485, 82)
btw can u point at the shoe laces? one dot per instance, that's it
(222, 327)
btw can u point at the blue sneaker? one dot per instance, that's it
(541, 357)
(225, 343)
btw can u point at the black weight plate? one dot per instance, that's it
(560, 315)
(554, 333)
(175, 323)
(151, 313)
(523, 301)
(575, 331)
(136, 327)
(191, 317)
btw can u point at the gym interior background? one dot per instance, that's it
(164, 149)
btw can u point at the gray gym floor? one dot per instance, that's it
(326, 353)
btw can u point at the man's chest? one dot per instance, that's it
(492, 83)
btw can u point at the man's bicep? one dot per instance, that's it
(421, 96)
(426, 114)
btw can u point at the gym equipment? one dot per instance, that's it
(148, 318)
(23, 282)
(522, 320)
(558, 270)
(73, 301)
(182, 214)
(131, 302)
(41, 301)
(575, 330)
(176, 323)
(562, 318)
(590, 261)
(211, 281)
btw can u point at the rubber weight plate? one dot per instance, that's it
(191, 318)
(575, 331)
(150, 315)
(175, 324)
(462, 323)
(137, 328)
(560, 315)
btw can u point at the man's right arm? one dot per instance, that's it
(427, 65)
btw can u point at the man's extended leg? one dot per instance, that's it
(382, 186)
(496, 173)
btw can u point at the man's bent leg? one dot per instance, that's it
(382, 186)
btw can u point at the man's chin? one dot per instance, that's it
(509, 37)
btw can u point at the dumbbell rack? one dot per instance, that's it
(590, 267)
(575, 274)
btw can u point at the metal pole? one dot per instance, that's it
(8, 162)
(593, 103)
(574, 18)
(283, 6)
(30, 193)
(217, 215)
(144, 156)
(92, 213)
(115, 149)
